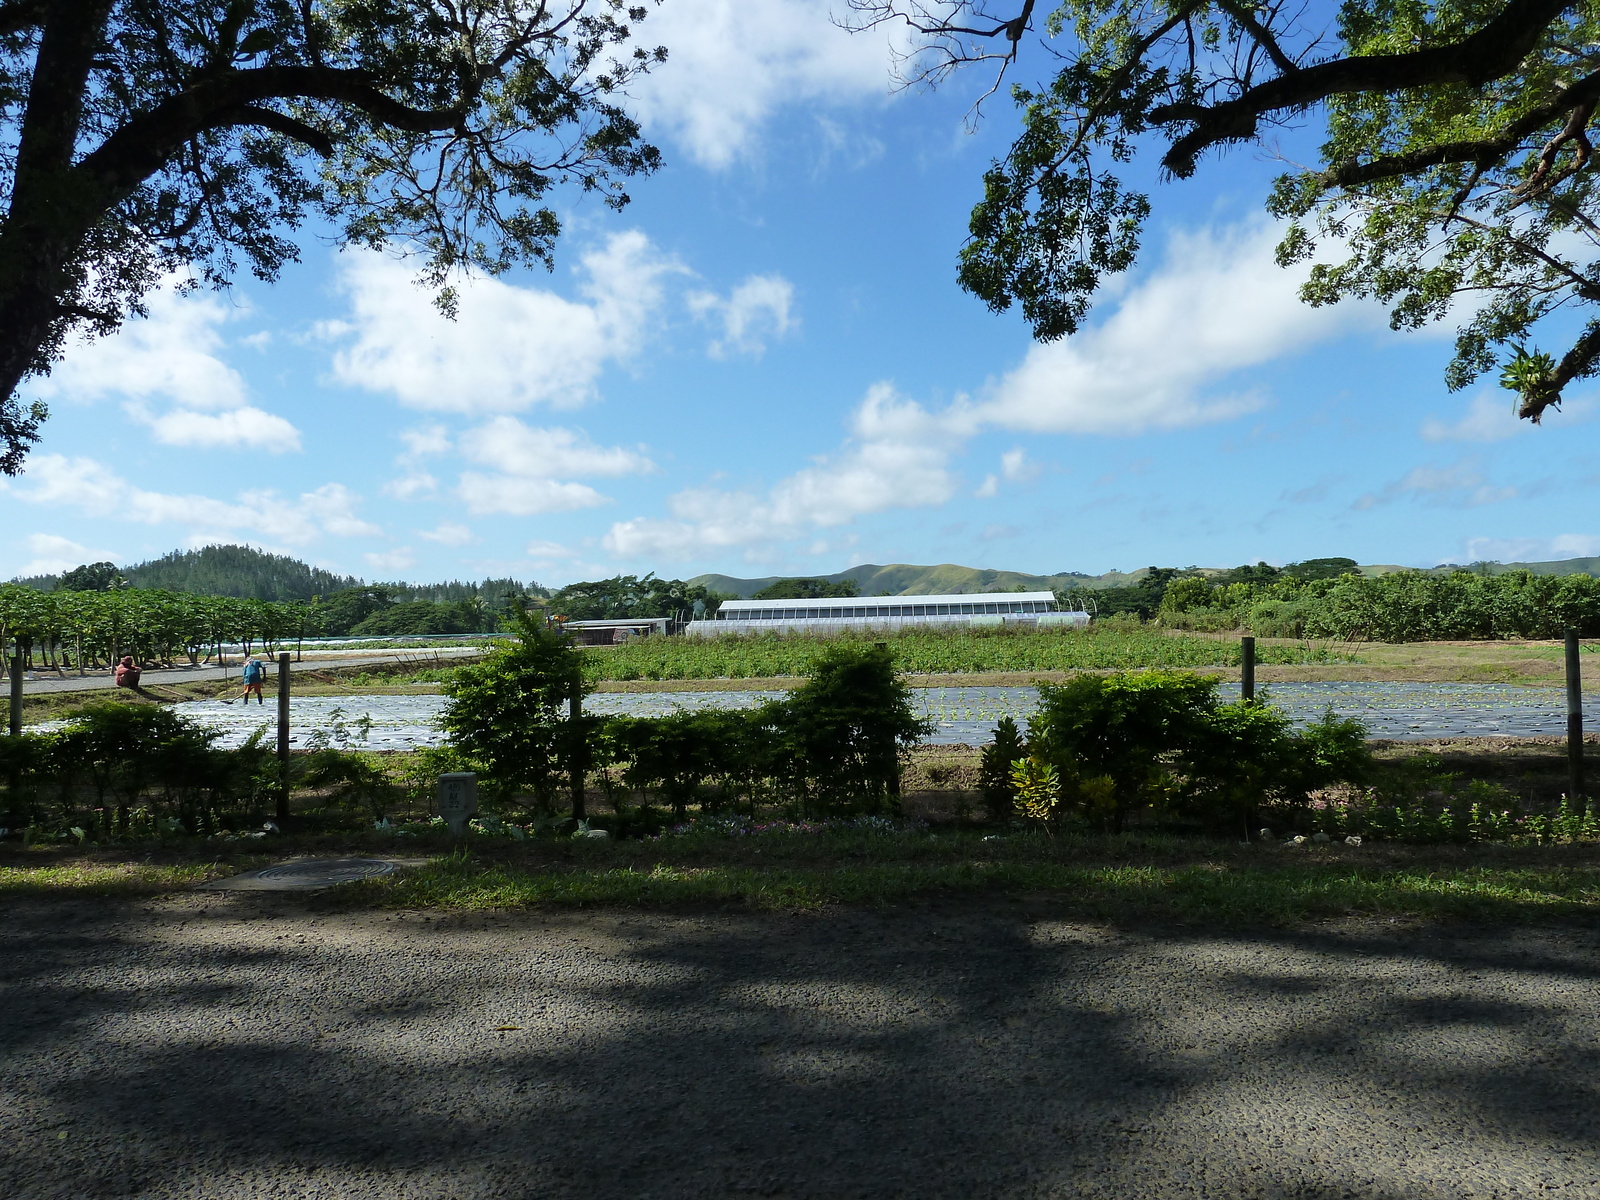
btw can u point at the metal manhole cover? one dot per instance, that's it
(309, 873)
(326, 871)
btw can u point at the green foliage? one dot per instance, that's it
(995, 782)
(677, 755)
(1183, 595)
(440, 127)
(930, 651)
(93, 577)
(1161, 738)
(1036, 785)
(808, 589)
(1459, 165)
(842, 736)
(1322, 568)
(1123, 727)
(627, 596)
(239, 571)
(117, 770)
(354, 779)
(509, 715)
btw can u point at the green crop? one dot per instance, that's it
(930, 652)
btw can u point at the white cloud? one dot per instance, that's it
(506, 444)
(756, 310)
(549, 551)
(448, 533)
(1216, 304)
(733, 64)
(510, 347)
(249, 427)
(398, 559)
(531, 463)
(1488, 418)
(92, 488)
(1566, 545)
(524, 497)
(421, 442)
(1014, 468)
(53, 554)
(898, 458)
(1459, 485)
(175, 353)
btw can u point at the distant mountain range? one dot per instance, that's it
(245, 571)
(947, 579)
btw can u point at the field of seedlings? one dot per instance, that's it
(927, 652)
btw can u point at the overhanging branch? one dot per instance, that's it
(1491, 52)
(141, 146)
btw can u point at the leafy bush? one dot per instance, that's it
(508, 715)
(678, 754)
(840, 739)
(117, 770)
(1124, 741)
(1122, 727)
(995, 782)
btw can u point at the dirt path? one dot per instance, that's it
(249, 1046)
(100, 681)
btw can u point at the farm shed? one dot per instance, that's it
(884, 612)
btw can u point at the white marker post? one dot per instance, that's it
(458, 799)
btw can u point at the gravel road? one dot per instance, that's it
(235, 1045)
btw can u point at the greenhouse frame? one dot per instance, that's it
(985, 609)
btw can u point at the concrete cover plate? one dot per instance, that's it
(303, 874)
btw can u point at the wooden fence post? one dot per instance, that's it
(283, 740)
(1575, 787)
(1247, 668)
(579, 749)
(15, 725)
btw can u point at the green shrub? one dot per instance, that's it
(679, 754)
(1124, 741)
(508, 714)
(841, 738)
(995, 781)
(1125, 727)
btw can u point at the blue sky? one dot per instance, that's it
(764, 366)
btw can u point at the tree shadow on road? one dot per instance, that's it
(250, 1048)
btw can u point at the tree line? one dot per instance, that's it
(1405, 606)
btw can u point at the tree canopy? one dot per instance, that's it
(624, 596)
(1457, 160)
(141, 139)
(808, 589)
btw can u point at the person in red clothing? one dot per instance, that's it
(127, 673)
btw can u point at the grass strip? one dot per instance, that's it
(107, 879)
(1210, 894)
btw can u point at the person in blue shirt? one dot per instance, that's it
(255, 674)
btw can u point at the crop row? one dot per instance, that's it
(934, 653)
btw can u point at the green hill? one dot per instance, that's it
(237, 571)
(947, 579)
(252, 574)
(900, 579)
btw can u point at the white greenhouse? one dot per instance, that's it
(1031, 609)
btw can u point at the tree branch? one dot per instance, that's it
(1584, 93)
(299, 131)
(17, 15)
(141, 146)
(1491, 52)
